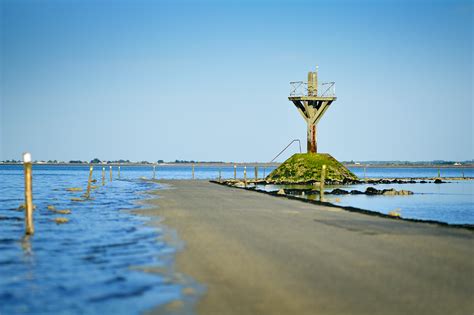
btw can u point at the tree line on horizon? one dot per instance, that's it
(121, 161)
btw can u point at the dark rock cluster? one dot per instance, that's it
(371, 191)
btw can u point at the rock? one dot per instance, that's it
(423, 182)
(394, 213)
(61, 220)
(372, 191)
(65, 211)
(281, 192)
(74, 189)
(295, 191)
(389, 192)
(239, 184)
(356, 192)
(438, 181)
(53, 209)
(393, 192)
(338, 191)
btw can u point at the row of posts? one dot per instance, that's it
(321, 182)
(220, 172)
(29, 194)
(28, 166)
(103, 174)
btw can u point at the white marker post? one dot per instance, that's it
(89, 182)
(321, 183)
(110, 172)
(29, 228)
(245, 176)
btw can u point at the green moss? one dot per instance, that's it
(303, 168)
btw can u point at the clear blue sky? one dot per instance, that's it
(209, 80)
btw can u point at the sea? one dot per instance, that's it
(98, 262)
(450, 202)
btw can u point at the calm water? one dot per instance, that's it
(91, 265)
(411, 172)
(451, 202)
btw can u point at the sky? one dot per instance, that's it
(209, 80)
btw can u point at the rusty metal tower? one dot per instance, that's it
(312, 100)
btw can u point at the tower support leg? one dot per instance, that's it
(311, 143)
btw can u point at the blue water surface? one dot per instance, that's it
(451, 202)
(411, 172)
(90, 265)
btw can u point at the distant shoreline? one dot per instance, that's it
(408, 166)
(229, 164)
(209, 164)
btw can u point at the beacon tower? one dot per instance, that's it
(312, 100)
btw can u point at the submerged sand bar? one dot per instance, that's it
(259, 254)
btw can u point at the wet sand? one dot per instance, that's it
(259, 254)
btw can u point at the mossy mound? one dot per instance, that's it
(306, 168)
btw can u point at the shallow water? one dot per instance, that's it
(88, 265)
(411, 172)
(451, 202)
(200, 171)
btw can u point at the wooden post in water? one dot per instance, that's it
(119, 172)
(29, 228)
(103, 176)
(89, 181)
(220, 175)
(110, 172)
(264, 172)
(193, 171)
(439, 173)
(365, 176)
(235, 171)
(321, 183)
(154, 171)
(245, 175)
(256, 173)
